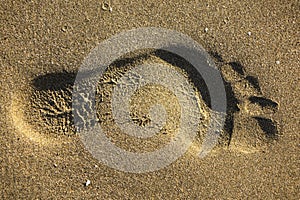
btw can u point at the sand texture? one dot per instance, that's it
(255, 46)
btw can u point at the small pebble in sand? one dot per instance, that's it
(87, 183)
(64, 29)
(277, 62)
(106, 6)
(205, 30)
(55, 165)
(249, 33)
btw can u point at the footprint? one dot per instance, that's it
(249, 125)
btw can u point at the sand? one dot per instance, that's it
(256, 48)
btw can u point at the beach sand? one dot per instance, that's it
(254, 44)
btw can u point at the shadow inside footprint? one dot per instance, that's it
(55, 81)
(236, 66)
(268, 126)
(254, 82)
(263, 102)
(192, 73)
(232, 108)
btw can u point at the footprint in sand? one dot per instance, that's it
(249, 126)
